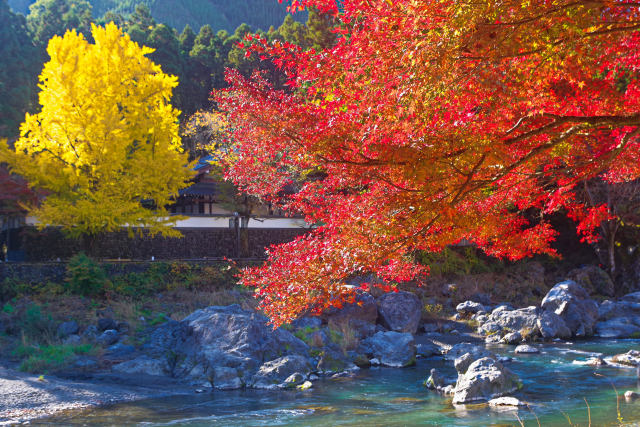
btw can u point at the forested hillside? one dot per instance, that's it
(219, 14)
(198, 58)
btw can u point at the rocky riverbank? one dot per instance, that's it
(230, 347)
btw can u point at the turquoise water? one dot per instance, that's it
(553, 384)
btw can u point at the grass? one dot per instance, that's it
(48, 358)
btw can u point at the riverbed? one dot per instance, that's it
(556, 385)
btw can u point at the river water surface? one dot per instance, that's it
(555, 384)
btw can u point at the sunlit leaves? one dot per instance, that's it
(430, 123)
(106, 140)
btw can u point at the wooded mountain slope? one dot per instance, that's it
(220, 14)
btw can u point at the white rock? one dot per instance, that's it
(506, 401)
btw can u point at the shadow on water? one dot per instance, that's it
(554, 382)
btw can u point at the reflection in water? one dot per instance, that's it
(553, 384)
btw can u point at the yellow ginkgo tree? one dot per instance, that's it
(105, 147)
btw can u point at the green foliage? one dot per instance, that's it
(36, 325)
(434, 310)
(12, 288)
(8, 308)
(86, 277)
(49, 358)
(461, 261)
(48, 18)
(304, 334)
(19, 66)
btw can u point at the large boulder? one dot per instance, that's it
(485, 379)
(273, 374)
(400, 311)
(363, 309)
(390, 348)
(593, 279)
(571, 302)
(552, 326)
(502, 320)
(221, 337)
(619, 327)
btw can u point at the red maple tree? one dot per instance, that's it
(430, 122)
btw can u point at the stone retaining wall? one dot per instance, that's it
(51, 245)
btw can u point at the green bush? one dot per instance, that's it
(36, 325)
(86, 277)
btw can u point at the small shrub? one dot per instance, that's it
(86, 277)
(37, 326)
(435, 310)
(8, 308)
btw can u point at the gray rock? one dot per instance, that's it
(107, 323)
(460, 349)
(526, 349)
(462, 363)
(68, 328)
(618, 327)
(273, 373)
(631, 358)
(632, 297)
(90, 333)
(295, 379)
(502, 307)
(226, 378)
(400, 311)
(523, 320)
(72, 340)
(572, 303)
(552, 326)
(485, 379)
(490, 328)
(611, 309)
(427, 349)
(470, 307)
(480, 318)
(143, 365)
(492, 339)
(390, 348)
(223, 337)
(512, 338)
(435, 381)
(119, 350)
(108, 337)
(364, 308)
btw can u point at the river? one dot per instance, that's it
(555, 384)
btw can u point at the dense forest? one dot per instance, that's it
(219, 14)
(199, 59)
